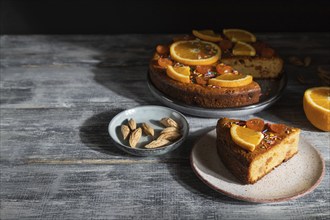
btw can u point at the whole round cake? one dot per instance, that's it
(194, 69)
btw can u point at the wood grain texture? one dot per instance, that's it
(58, 94)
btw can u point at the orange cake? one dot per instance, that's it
(212, 70)
(251, 149)
(191, 71)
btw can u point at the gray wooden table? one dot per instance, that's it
(58, 94)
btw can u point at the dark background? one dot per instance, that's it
(146, 16)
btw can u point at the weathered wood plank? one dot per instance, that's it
(58, 94)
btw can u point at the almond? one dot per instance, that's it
(125, 131)
(132, 124)
(169, 122)
(157, 143)
(147, 129)
(169, 129)
(171, 136)
(135, 137)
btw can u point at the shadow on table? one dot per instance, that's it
(185, 176)
(129, 82)
(94, 133)
(118, 62)
(123, 65)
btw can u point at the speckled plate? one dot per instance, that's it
(293, 179)
(271, 89)
(150, 114)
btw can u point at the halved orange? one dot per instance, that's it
(243, 49)
(179, 73)
(245, 137)
(316, 103)
(231, 80)
(239, 35)
(207, 35)
(195, 52)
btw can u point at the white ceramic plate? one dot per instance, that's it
(293, 179)
(271, 89)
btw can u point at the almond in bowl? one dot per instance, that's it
(148, 130)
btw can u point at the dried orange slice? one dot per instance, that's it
(223, 69)
(277, 128)
(179, 73)
(245, 137)
(164, 62)
(256, 124)
(239, 35)
(316, 103)
(243, 49)
(207, 35)
(195, 52)
(231, 80)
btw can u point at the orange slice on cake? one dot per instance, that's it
(243, 49)
(239, 35)
(207, 35)
(245, 137)
(195, 52)
(231, 80)
(316, 103)
(179, 73)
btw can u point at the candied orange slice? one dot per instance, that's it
(204, 69)
(164, 62)
(179, 73)
(162, 49)
(231, 80)
(222, 68)
(195, 52)
(316, 103)
(243, 49)
(239, 35)
(207, 35)
(278, 128)
(245, 137)
(256, 124)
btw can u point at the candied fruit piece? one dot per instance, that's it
(164, 62)
(277, 128)
(255, 124)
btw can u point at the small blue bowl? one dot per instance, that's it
(152, 115)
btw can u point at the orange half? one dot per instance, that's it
(316, 104)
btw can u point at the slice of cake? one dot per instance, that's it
(251, 149)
